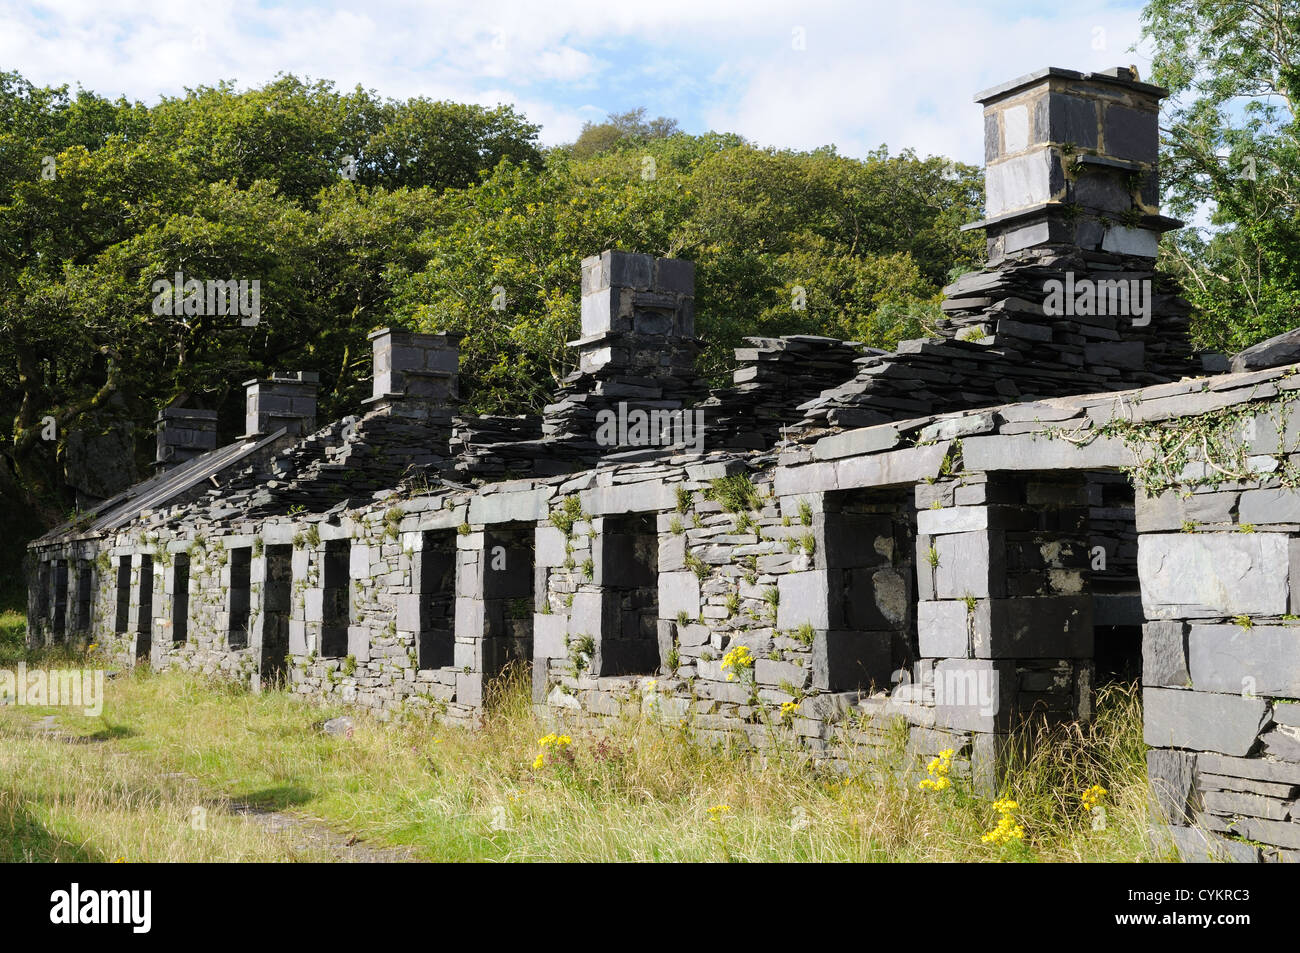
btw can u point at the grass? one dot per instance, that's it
(635, 789)
(13, 630)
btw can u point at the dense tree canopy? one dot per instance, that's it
(869, 243)
(354, 212)
(1231, 152)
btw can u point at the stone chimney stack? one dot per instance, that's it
(183, 434)
(638, 312)
(415, 375)
(1070, 159)
(285, 399)
(638, 345)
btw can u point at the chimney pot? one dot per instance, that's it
(285, 399)
(415, 374)
(183, 434)
(1071, 159)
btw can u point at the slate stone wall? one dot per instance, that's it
(938, 574)
(1221, 667)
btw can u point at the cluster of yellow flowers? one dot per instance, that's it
(1007, 829)
(938, 769)
(550, 741)
(1092, 797)
(719, 811)
(788, 710)
(737, 659)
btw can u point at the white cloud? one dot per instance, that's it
(899, 73)
(907, 75)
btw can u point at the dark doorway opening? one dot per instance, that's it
(1113, 578)
(241, 582)
(435, 575)
(870, 551)
(336, 606)
(60, 599)
(43, 583)
(181, 599)
(629, 567)
(144, 620)
(85, 583)
(277, 594)
(508, 596)
(122, 608)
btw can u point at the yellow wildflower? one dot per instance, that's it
(1006, 829)
(1092, 797)
(938, 769)
(737, 659)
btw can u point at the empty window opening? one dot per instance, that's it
(60, 598)
(337, 599)
(1113, 577)
(628, 551)
(241, 572)
(43, 591)
(870, 537)
(1045, 621)
(277, 595)
(122, 614)
(85, 583)
(144, 617)
(508, 596)
(435, 579)
(181, 599)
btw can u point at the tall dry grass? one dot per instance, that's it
(633, 788)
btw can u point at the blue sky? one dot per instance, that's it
(785, 74)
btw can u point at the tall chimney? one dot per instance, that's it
(183, 434)
(638, 344)
(638, 313)
(415, 375)
(1071, 159)
(285, 399)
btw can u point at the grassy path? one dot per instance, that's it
(178, 768)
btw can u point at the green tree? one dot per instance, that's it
(354, 212)
(100, 199)
(625, 129)
(1230, 151)
(868, 243)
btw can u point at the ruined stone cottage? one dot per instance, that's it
(975, 529)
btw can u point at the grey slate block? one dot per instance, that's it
(1275, 352)
(1260, 769)
(1194, 845)
(942, 629)
(1200, 575)
(1164, 654)
(1171, 777)
(852, 442)
(1032, 452)
(1253, 805)
(1278, 833)
(1168, 511)
(1261, 660)
(1280, 505)
(679, 592)
(1204, 721)
(804, 598)
(967, 565)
